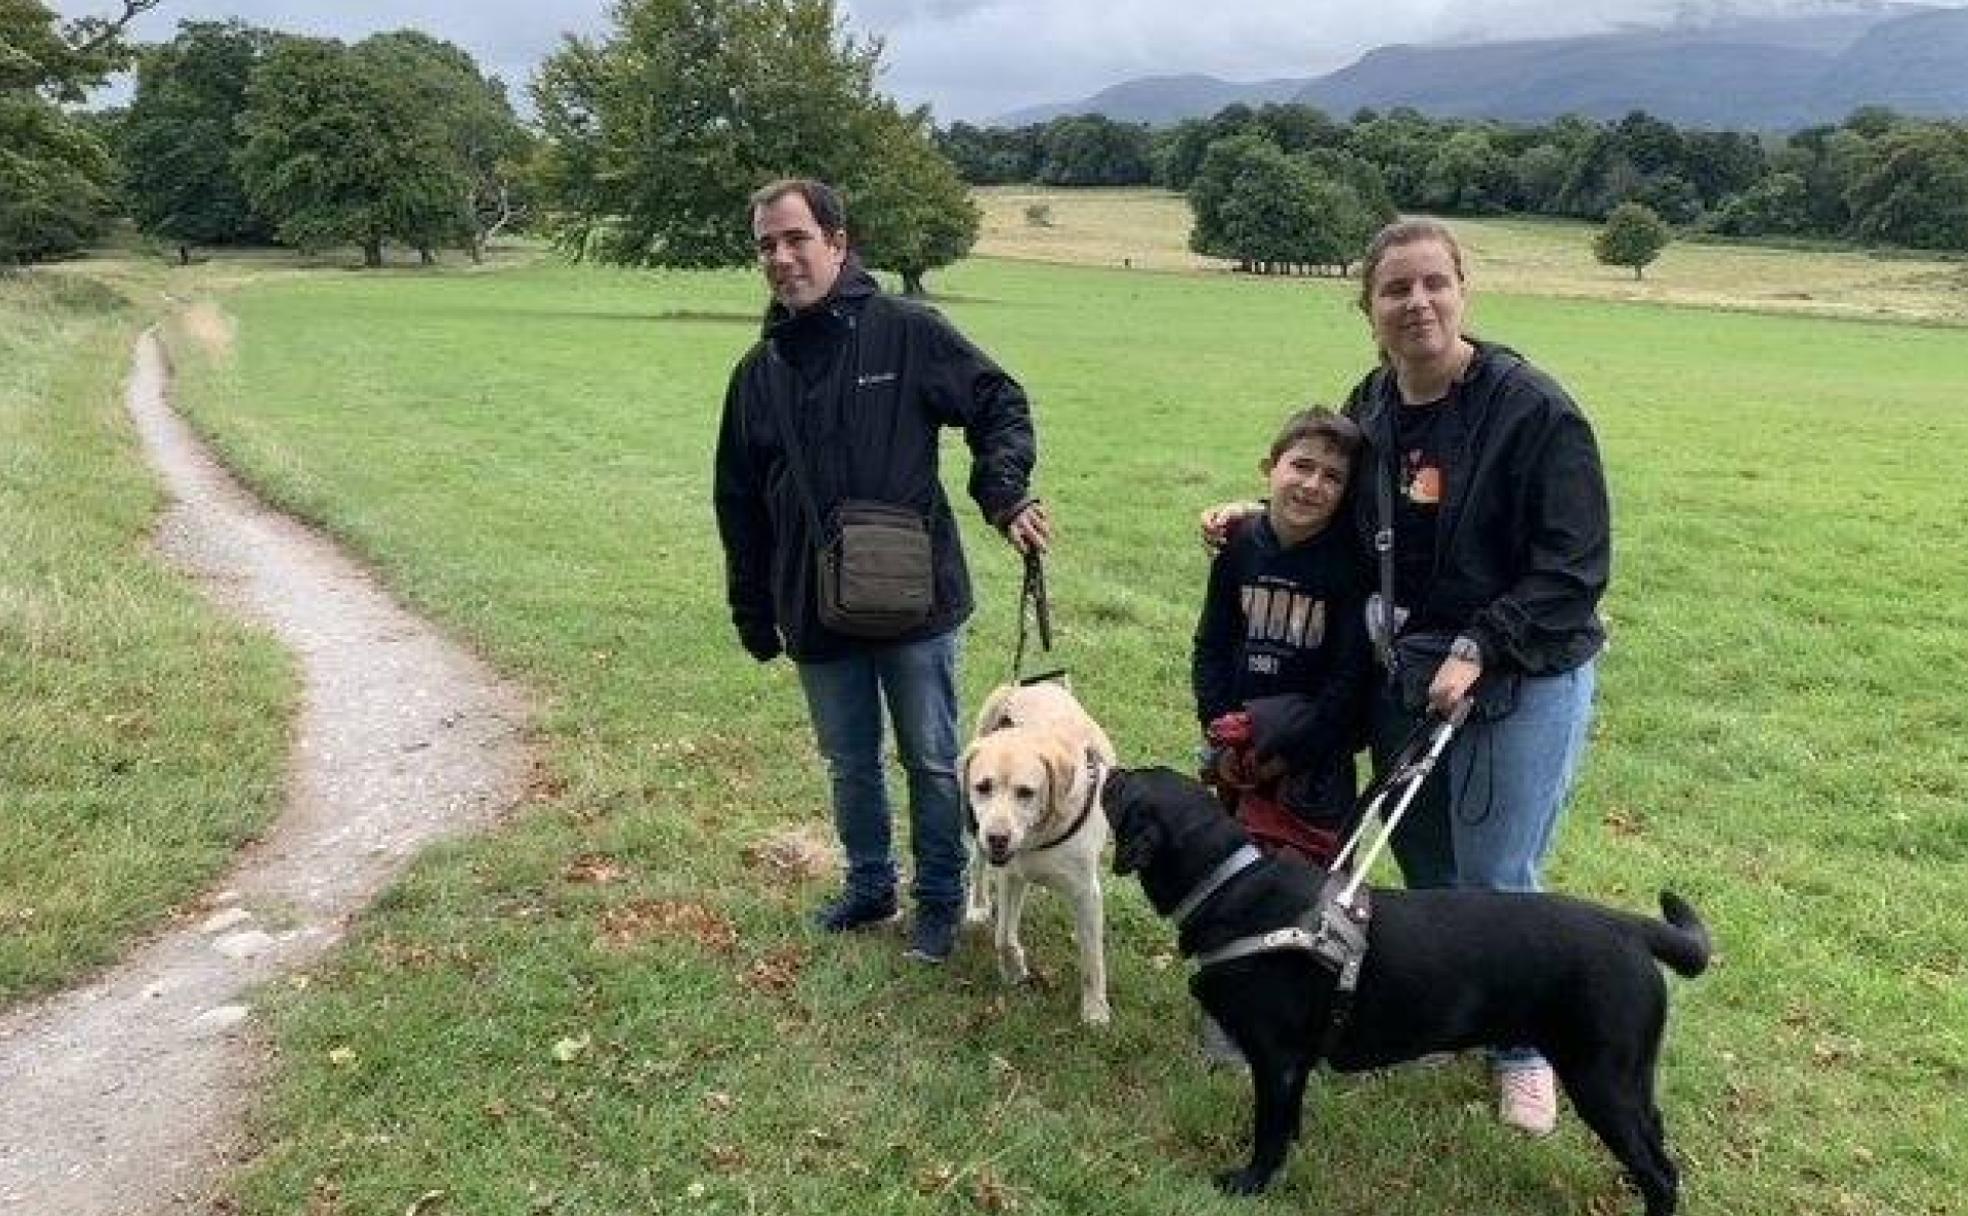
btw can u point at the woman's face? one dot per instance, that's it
(1416, 302)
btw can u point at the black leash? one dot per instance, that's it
(1033, 595)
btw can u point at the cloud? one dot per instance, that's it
(974, 59)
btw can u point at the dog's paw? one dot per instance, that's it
(1094, 1011)
(1246, 1181)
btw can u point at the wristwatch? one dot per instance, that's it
(1466, 649)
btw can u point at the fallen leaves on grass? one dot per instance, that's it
(627, 926)
(777, 971)
(797, 854)
(596, 868)
(572, 1047)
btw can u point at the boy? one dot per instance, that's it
(1281, 663)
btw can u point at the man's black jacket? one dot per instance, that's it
(1523, 549)
(869, 380)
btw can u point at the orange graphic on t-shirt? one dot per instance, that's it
(1425, 485)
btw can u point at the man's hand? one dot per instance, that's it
(1217, 521)
(1030, 531)
(760, 640)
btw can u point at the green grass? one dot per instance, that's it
(527, 455)
(141, 733)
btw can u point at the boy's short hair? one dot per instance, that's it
(1318, 422)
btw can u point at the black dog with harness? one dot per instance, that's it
(1297, 973)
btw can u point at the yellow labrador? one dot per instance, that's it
(1032, 778)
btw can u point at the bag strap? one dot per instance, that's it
(790, 445)
(1383, 541)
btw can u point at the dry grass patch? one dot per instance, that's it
(1149, 229)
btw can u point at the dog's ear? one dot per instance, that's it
(1060, 765)
(1135, 847)
(990, 717)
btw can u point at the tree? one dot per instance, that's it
(340, 147)
(1268, 210)
(179, 137)
(657, 134)
(1093, 150)
(486, 144)
(1914, 189)
(55, 173)
(1775, 206)
(910, 213)
(1633, 236)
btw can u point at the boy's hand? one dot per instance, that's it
(1218, 520)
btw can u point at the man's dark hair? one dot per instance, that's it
(1318, 422)
(821, 199)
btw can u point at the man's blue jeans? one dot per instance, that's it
(1487, 815)
(917, 681)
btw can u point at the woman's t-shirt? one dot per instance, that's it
(1427, 438)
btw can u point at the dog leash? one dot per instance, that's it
(1032, 595)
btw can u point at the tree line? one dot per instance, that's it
(647, 142)
(1877, 178)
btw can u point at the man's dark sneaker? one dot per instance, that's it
(852, 910)
(935, 933)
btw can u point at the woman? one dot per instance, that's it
(1482, 506)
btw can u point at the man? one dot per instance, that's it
(864, 381)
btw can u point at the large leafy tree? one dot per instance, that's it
(657, 133)
(342, 146)
(485, 143)
(910, 212)
(1267, 209)
(55, 173)
(179, 137)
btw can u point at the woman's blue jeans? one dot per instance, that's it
(917, 682)
(1486, 817)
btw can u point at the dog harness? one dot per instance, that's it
(1332, 931)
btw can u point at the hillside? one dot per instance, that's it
(1765, 74)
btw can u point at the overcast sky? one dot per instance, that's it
(975, 59)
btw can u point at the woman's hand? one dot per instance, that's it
(1217, 521)
(1452, 682)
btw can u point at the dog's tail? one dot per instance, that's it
(1682, 940)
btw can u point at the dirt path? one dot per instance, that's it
(125, 1096)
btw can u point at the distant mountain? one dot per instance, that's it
(1160, 100)
(1766, 74)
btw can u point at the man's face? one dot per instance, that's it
(800, 261)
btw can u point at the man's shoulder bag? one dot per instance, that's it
(876, 563)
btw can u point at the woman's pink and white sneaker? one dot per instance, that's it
(1527, 1099)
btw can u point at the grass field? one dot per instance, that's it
(1150, 228)
(612, 1005)
(142, 735)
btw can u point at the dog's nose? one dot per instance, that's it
(998, 844)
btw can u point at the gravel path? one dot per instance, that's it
(125, 1096)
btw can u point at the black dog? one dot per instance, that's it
(1443, 971)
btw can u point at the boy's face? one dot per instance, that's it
(1307, 480)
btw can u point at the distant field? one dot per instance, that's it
(612, 1005)
(1150, 228)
